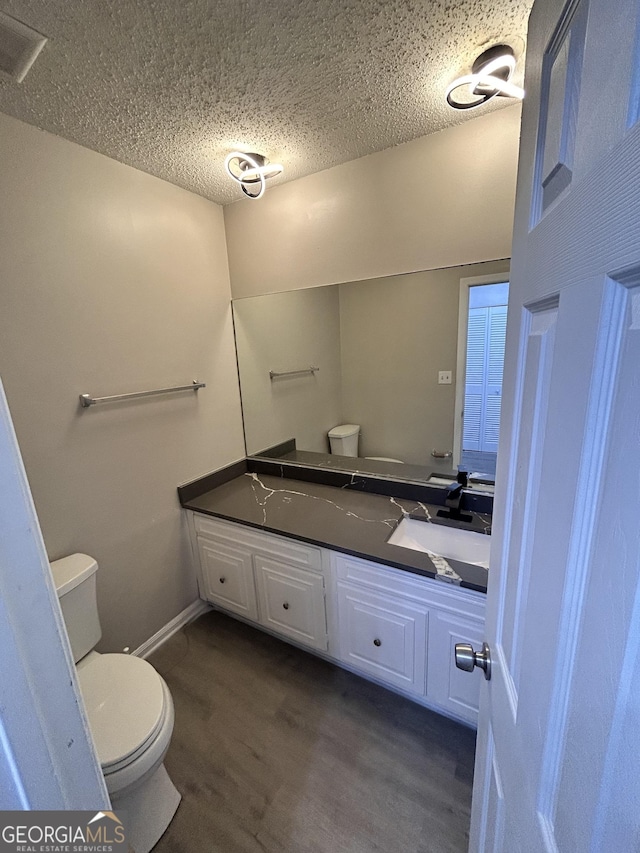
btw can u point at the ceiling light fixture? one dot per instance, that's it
(250, 170)
(490, 76)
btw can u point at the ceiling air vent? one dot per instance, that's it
(19, 47)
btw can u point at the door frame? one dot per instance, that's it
(461, 359)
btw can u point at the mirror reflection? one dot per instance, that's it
(379, 370)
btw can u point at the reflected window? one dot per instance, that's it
(486, 332)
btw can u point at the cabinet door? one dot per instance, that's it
(227, 573)
(450, 687)
(291, 601)
(383, 636)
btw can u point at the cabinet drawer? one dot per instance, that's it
(383, 636)
(227, 574)
(287, 550)
(449, 687)
(406, 585)
(291, 601)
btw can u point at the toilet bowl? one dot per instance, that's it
(129, 709)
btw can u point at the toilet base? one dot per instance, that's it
(148, 809)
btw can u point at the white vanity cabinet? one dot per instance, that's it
(268, 579)
(393, 626)
(401, 628)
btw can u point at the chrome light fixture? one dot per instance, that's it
(490, 76)
(251, 171)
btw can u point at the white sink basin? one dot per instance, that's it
(448, 542)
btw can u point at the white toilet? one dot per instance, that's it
(129, 707)
(344, 439)
(344, 442)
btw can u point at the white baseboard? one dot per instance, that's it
(187, 615)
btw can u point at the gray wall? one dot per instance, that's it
(396, 334)
(114, 281)
(288, 331)
(440, 200)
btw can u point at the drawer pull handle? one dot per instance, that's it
(222, 580)
(286, 605)
(377, 642)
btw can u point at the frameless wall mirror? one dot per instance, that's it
(387, 355)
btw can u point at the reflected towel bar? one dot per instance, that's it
(87, 400)
(273, 373)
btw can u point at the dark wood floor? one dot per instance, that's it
(277, 751)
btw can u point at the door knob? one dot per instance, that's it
(467, 659)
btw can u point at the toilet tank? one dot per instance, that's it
(75, 581)
(344, 439)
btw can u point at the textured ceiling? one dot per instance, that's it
(170, 87)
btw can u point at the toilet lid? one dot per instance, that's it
(343, 430)
(124, 699)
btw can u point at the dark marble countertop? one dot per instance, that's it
(341, 519)
(365, 465)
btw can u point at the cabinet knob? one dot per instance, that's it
(222, 580)
(286, 605)
(377, 642)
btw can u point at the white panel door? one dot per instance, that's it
(47, 756)
(558, 749)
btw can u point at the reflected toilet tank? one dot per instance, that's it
(344, 439)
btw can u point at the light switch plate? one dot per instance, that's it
(444, 377)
